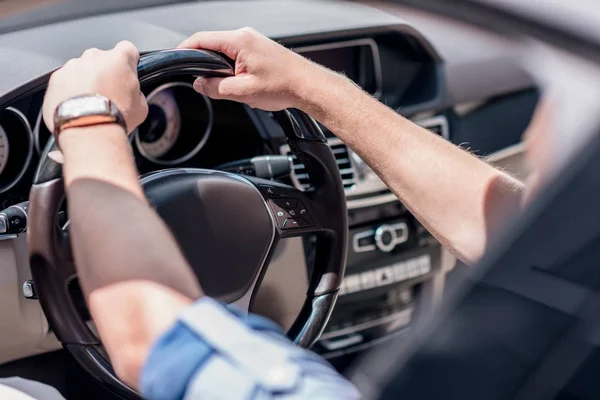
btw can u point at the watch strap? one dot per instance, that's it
(86, 110)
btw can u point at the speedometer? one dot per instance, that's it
(178, 125)
(159, 132)
(3, 149)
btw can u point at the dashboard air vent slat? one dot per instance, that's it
(342, 157)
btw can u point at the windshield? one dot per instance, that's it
(23, 14)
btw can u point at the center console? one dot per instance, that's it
(391, 257)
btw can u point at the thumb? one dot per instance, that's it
(218, 88)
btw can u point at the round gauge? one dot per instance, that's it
(3, 149)
(178, 125)
(159, 132)
(16, 136)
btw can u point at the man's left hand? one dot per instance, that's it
(111, 73)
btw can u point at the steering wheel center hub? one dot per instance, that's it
(221, 222)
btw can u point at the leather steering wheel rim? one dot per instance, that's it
(52, 265)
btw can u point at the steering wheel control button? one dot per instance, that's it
(295, 223)
(3, 223)
(281, 216)
(287, 204)
(271, 191)
(303, 213)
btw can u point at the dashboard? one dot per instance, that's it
(393, 262)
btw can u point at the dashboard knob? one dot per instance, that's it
(386, 238)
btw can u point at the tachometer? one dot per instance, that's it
(178, 125)
(159, 132)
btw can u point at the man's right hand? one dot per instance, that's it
(267, 75)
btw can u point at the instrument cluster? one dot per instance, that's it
(179, 123)
(183, 129)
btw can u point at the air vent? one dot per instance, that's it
(342, 157)
(437, 125)
(299, 173)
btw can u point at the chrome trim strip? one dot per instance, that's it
(356, 242)
(371, 201)
(244, 301)
(405, 315)
(377, 69)
(332, 345)
(200, 144)
(29, 155)
(8, 237)
(368, 345)
(506, 152)
(434, 121)
(401, 226)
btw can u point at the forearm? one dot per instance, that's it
(122, 249)
(457, 196)
(112, 223)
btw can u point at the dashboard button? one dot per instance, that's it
(287, 204)
(364, 242)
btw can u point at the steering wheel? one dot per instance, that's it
(227, 225)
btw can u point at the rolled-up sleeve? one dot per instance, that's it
(213, 352)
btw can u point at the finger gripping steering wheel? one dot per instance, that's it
(199, 205)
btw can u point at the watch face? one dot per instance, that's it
(84, 105)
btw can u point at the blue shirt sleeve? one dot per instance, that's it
(213, 352)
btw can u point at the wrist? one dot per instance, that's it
(306, 81)
(87, 138)
(321, 89)
(100, 152)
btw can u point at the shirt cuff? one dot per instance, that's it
(204, 329)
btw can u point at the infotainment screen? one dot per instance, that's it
(355, 60)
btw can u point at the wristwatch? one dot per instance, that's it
(86, 110)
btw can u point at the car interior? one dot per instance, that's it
(459, 82)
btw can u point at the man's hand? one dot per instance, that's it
(111, 73)
(267, 75)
